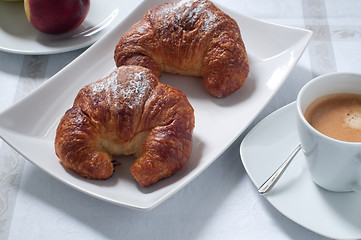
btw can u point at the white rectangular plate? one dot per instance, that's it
(30, 125)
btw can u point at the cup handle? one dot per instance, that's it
(356, 186)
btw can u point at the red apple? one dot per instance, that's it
(56, 16)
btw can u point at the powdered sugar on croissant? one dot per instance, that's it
(128, 112)
(189, 37)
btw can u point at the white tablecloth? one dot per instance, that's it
(222, 203)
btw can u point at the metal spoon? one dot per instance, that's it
(271, 181)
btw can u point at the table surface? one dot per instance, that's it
(221, 203)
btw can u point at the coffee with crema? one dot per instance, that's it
(337, 116)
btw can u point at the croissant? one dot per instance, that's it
(190, 38)
(128, 112)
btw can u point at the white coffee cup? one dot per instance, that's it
(333, 164)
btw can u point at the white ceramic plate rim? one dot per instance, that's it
(271, 60)
(295, 195)
(24, 39)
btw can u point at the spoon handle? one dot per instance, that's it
(271, 181)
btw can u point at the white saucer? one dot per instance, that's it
(17, 35)
(266, 146)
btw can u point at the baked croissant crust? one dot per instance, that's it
(190, 38)
(128, 112)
